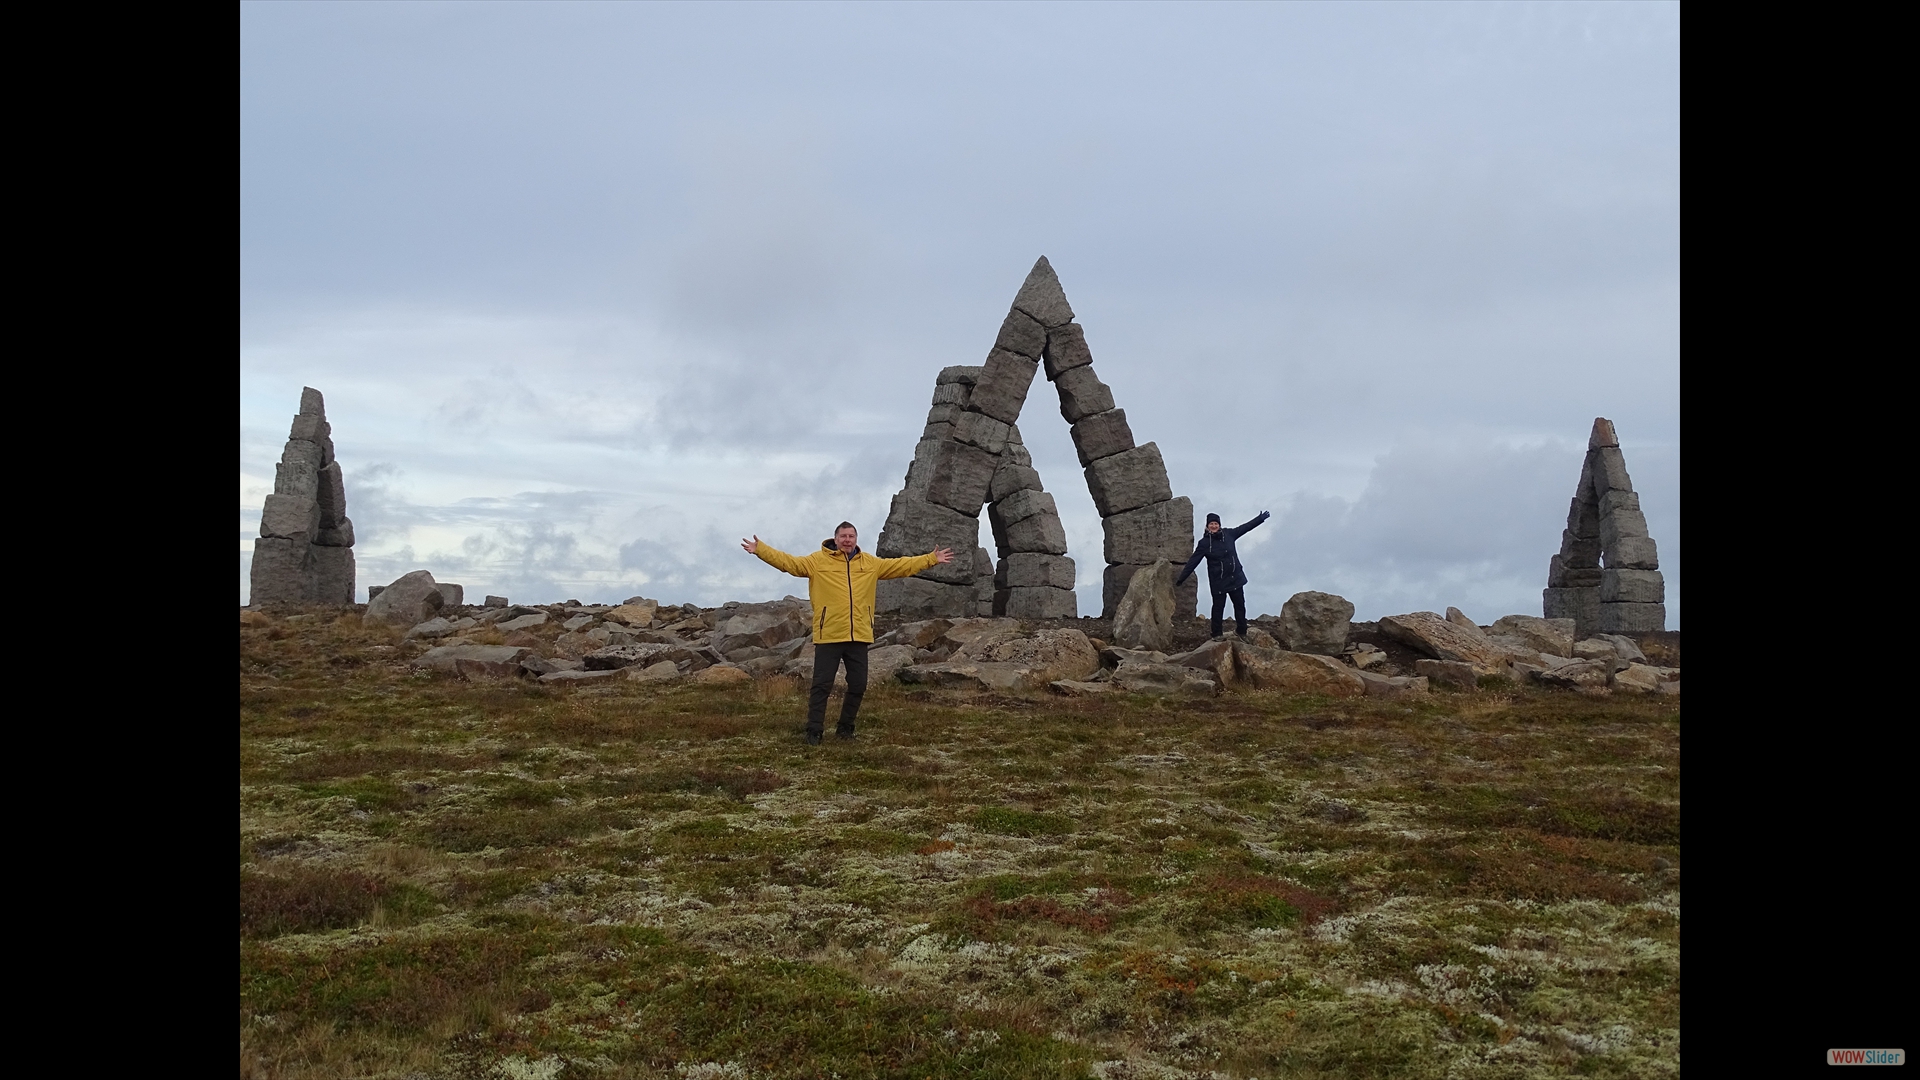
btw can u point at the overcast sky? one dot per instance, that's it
(595, 290)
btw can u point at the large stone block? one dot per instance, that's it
(961, 477)
(1609, 469)
(290, 517)
(332, 496)
(1620, 525)
(945, 414)
(1579, 552)
(1082, 394)
(312, 402)
(1619, 500)
(1631, 618)
(1602, 434)
(1435, 636)
(1002, 388)
(916, 528)
(1113, 586)
(311, 428)
(1022, 505)
(1040, 602)
(1022, 333)
(1066, 350)
(1102, 435)
(1315, 622)
(1128, 480)
(920, 598)
(1041, 296)
(1031, 570)
(1554, 636)
(1009, 478)
(1632, 587)
(339, 536)
(981, 430)
(1040, 534)
(1144, 617)
(281, 573)
(1583, 516)
(953, 393)
(959, 373)
(411, 600)
(298, 475)
(332, 575)
(1633, 553)
(1161, 530)
(451, 595)
(1295, 672)
(1582, 605)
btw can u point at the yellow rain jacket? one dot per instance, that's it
(841, 588)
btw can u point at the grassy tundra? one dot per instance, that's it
(447, 878)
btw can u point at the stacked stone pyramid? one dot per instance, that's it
(1606, 577)
(971, 456)
(305, 551)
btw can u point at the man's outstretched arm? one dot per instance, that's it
(774, 557)
(1199, 553)
(1242, 530)
(913, 564)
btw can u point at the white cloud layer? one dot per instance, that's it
(594, 291)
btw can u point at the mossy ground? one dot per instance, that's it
(448, 878)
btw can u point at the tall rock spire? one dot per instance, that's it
(1606, 577)
(305, 551)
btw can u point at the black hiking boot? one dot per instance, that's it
(813, 738)
(843, 734)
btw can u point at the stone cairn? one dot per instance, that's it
(305, 551)
(970, 456)
(1606, 528)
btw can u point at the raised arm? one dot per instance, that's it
(1199, 552)
(1242, 530)
(775, 558)
(913, 564)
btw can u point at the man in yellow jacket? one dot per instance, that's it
(840, 581)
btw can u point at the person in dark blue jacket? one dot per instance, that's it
(1225, 575)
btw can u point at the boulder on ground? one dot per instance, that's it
(1144, 619)
(1393, 687)
(663, 671)
(721, 675)
(1315, 622)
(436, 627)
(523, 622)
(885, 662)
(1452, 673)
(615, 657)
(1294, 672)
(1426, 632)
(411, 600)
(966, 637)
(760, 625)
(577, 675)
(1624, 647)
(1644, 678)
(454, 595)
(471, 660)
(1543, 635)
(1047, 655)
(496, 601)
(1215, 657)
(918, 635)
(1079, 688)
(1459, 619)
(1578, 674)
(967, 675)
(1164, 680)
(635, 613)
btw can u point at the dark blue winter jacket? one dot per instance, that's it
(1224, 572)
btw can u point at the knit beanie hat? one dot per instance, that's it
(1213, 519)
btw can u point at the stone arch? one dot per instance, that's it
(970, 456)
(1606, 577)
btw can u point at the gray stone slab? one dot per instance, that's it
(454, 595)
(1560, 575)
(496, 601)
(1042, 297)
(1024, 504)
(1113, 586)
(312, 402)
(1609, 470)
(959, 373)
(1583, 516)
(961, 477)
(409, 600)
(333, 574)
(1620, 525)
(1633, 553)
(953, 393)
(1009, 478)
(937, 433)
(1315, 622)
(1082, 394)
(1582, 605)
(1041, 603)
(1579, 551)
(982, 564)
(1102, 436)
(1619, 500)
(1128, 480)
(1028, 570)
(1066, 350)
(945, 414)
(918, 527)
(1022, 333)
(1603, 434)
(981, 430)
(1002, 389)
(281, 572)
(1631, 618)
(1632, 587)
(1161, 530)
(313, 429)
(1041, 533)
(290, 517)
(332, 496)
(298, 475)
(920, 598)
